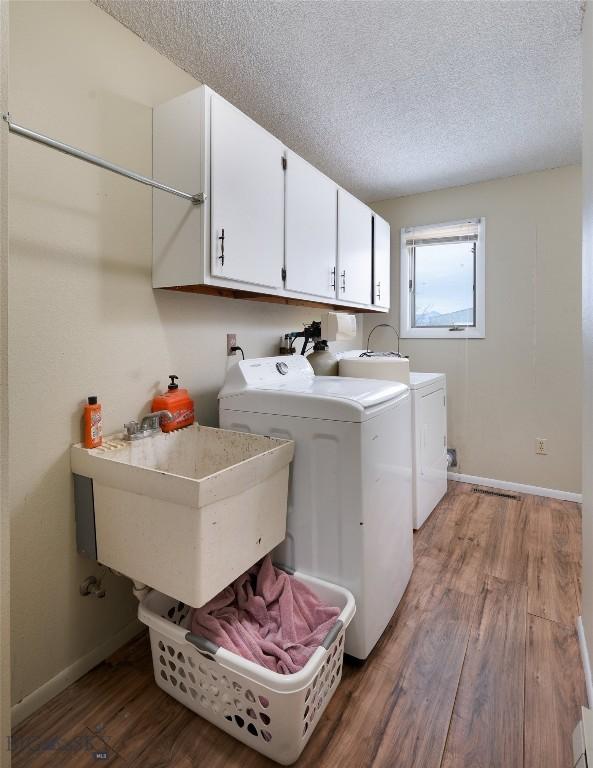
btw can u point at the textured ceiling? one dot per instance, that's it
(388, 97)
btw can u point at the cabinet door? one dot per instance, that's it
(311, 229)
(381, 262)
(247, 198)
(354, 249)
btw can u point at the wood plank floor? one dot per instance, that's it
(478, 668)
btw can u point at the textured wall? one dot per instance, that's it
(84, 318)
(588, 329)
(524, 379)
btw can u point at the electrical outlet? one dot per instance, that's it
(541, 445)
(231, 341)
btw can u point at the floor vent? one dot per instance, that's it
(488, 492)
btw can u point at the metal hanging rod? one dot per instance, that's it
(196, 199)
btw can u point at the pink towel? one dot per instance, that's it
(268, 617)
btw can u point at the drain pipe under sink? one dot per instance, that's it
(140, 590)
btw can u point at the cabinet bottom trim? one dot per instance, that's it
(234, 293)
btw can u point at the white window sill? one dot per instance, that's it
(442, 333)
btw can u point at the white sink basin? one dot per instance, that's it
(185, 512)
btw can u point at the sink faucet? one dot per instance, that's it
(150, 425)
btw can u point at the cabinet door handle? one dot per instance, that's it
(379, 291)
(221, 257)
(333, 280)
(343, 276)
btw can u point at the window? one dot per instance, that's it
(442, 281)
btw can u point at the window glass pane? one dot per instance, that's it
(444, 285)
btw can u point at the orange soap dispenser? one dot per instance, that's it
(178, 403)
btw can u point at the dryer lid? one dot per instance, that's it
(421, 380)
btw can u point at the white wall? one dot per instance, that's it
(84, 318)
(524, 379)
(588, 328)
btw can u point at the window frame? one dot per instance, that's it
(407, 294)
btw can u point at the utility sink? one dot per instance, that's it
(184, 512)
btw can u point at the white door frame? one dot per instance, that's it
(4, 514)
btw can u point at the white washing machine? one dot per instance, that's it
(429, 430)
(350, 491)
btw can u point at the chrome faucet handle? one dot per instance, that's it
(152, 421)
(150, 425)
(131, 428)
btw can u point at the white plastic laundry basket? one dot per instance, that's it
(272, 713)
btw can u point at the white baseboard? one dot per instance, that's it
(536, 490)
(585, 659)
(66, 677)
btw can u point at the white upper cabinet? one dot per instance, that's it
(381, 262)
(311, 229)
(247, 198)
(355, 255)
(262, 227)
